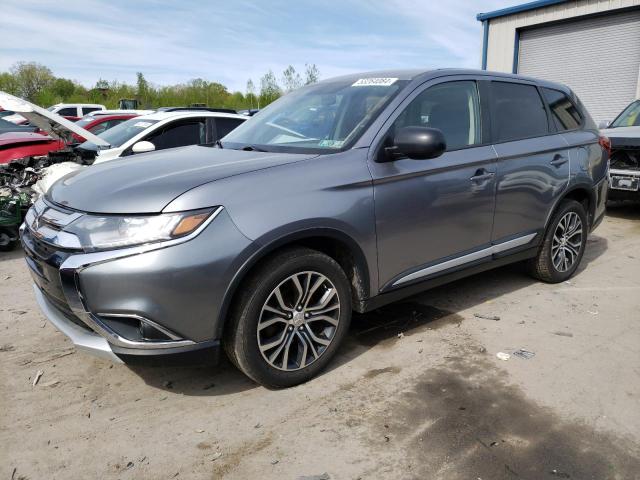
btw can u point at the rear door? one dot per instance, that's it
(533, 161)
(435, 215)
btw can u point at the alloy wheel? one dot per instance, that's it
(567, 242)
(298, 321)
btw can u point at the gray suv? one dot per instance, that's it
(341, 196)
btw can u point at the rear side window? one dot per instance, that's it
(86, 110)
(68, 112)
(518, 112)
(225, 125)
(565, 114)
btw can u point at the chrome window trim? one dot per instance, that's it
(470, 257)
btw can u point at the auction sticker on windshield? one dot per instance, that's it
(143, 124)
(378, 82)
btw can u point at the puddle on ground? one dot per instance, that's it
(384, 324)
(465, 421)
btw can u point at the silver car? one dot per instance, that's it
(341, 196)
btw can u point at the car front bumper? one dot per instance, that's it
(139, 301)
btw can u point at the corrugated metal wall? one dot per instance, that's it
(598, 57)
(502, 29)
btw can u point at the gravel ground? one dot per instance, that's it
(417, 391)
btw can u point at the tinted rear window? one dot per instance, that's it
(518, 112)
(565, 114)
(68, 112)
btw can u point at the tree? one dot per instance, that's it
(102, 84)
(9, 83)
(312, 73)
(63, 88)
(32, 78)
(251, 93)
(143, 89)
(269, 88)
(291, 79)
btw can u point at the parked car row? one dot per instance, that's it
(341, 196)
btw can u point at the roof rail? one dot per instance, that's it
(188, 109)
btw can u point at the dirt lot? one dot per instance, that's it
(434, 402)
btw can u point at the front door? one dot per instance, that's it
(435, 215)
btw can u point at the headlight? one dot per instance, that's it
(107, 232)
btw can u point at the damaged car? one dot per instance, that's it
(624, 134)
(146, 133)
(343, 195)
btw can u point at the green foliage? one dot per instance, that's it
(37, 83)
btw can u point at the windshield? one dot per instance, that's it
(325, 117)
(85, 121)
(630, 116)
(119, 134)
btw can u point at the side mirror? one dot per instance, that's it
(417, 143)
(143, 147)
(604, 124)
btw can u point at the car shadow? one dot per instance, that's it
(12, 255)
(430, 310)
(625, 210)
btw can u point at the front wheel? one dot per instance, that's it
(290, 318)
(8, 240)
(564, 244)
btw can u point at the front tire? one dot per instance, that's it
(563, 246)
(290, 318)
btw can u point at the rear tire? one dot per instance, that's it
(290, 318)
(563, 245)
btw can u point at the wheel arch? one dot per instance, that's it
(334, 243)
(581, 193)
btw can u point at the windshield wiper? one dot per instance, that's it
(219, 144)
(253, 148)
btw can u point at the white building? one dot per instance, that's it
(591, 45)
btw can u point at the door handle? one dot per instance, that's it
(558, 160)
(482, 175)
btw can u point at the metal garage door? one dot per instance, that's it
(598, 57)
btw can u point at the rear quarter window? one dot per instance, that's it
(564, 113)
(517, 112)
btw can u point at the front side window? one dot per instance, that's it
(453, 108)
(320, 118)
(564, 113)
(517, 112)
(225, 125)
(630, 117)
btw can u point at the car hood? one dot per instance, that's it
(17, 138)
(52, 123)
(149, 182)
(619, 132)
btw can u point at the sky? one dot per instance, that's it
(173, 41)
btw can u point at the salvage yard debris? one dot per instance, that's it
(522, 353)
(487, 317)
(36, 379)
(503, 356)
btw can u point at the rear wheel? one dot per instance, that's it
(290, 318)
(563, 245)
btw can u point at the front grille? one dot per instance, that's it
(44, 263)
